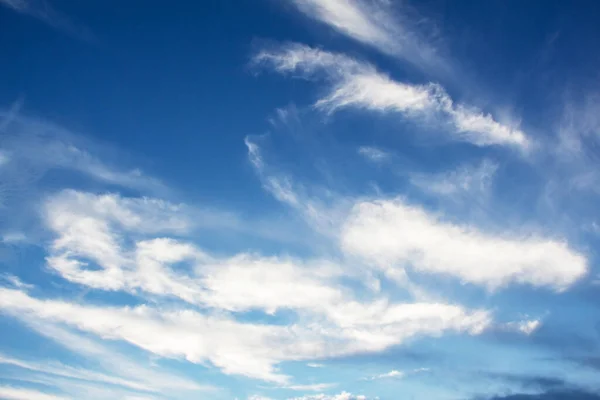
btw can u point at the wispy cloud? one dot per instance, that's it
(43, 11)
(373, 154)
(57, 369)
(357, 84)
(466, 180)
(32, 147)
(340, 396)
(112, 364)
(17, 393)
(396, 374)
(375, 23)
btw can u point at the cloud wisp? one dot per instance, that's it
(377, 24)
(356, 84)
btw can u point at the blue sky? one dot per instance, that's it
(299, 200)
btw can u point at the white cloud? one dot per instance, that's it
(526, 327)
(392, 374)
(251, 349)
(356, 84)
(373, 154)
(43, 11)
(58, 369)
(315, 365)
(320, 215)
(15, 281)
(314, 387)
(35, 146)
(376, 24)
(13, 238)
(395, 374)
(4, 158)
(341, 396)
(466, 180)
(97, 228)
(16, 393)
(112, 363)
(394, 235)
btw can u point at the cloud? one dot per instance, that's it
(315, 387)
(15, 281)
(527, 326)
(466, 180)
(43, 11)
(358, 85)
(57, 369)
(341, 396)
(394, 235)
(245, 348)
(15, 393)
(32, 147)
(95, 228)
(322, 216)
(373, 154)
(376, 24)
(392, 374)
(315, 365)
(395, 374)
(113, 364)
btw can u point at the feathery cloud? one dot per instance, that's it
(356, 84)
(241, 348)
(373, 154)
(16, 393)
(376, 24)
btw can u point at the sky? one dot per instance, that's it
(299, 200)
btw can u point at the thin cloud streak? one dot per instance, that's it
(376, 24)
(355, 84)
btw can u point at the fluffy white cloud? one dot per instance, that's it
(394, 235)
(356, 84)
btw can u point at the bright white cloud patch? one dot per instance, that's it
(395, 235)
(117, 235)
(358, 85)
(245, 348)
